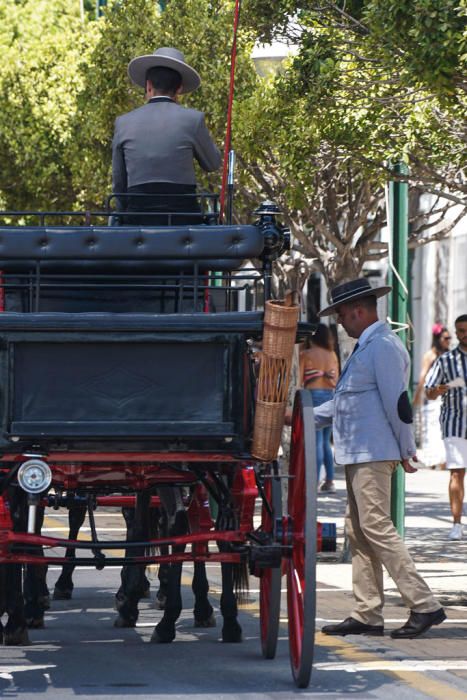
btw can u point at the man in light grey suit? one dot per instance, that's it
(372, 427)
(154, 146)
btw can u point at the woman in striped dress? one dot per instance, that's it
(431, 451)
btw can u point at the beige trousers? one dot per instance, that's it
(375, 542)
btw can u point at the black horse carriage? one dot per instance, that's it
(127, 368)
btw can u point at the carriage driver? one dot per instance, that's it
(155, 145)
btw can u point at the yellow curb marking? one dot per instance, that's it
(432, 688)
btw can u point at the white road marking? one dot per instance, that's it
(82, 529)
(449, 620)
(6, 671)
(55, 514)
(416, 665)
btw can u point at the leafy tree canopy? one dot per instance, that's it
(372, 82)
(202, 29)
(43, 44)
(66, 80)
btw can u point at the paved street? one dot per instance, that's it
(79, 653)
(437, 663)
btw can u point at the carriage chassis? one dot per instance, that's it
(94, 460)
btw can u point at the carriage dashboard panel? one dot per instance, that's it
(122, 385)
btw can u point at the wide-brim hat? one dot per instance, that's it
(165, 57)
(350, 291)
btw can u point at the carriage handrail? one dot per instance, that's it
(109, 210)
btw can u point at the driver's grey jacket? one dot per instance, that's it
(370, 412)
(158, 142)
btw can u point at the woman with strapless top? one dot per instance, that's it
(319, 371)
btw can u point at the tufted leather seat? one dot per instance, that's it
(128, 249)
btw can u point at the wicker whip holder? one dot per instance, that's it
(280, 331)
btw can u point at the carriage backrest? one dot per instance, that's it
(93, 268)
(212, 247)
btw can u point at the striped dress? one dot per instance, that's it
(453, 416)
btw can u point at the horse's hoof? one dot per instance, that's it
(232, 633)
(62, 594)
(207, 622)
(163, 635)
(160, 601)
(35, 623)
(119, 602)
(124, 622)
(44, 601)
(16, 638)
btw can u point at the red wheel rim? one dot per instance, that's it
(302, 563)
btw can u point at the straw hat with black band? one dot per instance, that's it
(351, 291)
(165, 57)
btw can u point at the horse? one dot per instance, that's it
(232, 577)
(23, 600)
(29, 611)
(142, 523)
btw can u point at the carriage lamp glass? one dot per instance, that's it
(34, 476)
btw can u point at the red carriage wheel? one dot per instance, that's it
(301, 567)
(271, 579)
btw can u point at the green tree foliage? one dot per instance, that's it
(42, 45)
(386, 76)
(370, 84)
(332, 203)
(202, 29)
(373, 81)
(65, 82)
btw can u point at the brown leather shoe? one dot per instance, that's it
(352, 626)
(418, 623)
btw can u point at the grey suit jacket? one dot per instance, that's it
(370, 412)
(157, 143)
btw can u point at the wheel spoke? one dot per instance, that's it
(271, 579)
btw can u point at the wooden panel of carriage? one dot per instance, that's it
(123, 366)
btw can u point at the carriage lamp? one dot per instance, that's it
(34, 476)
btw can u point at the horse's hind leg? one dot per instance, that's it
(171, 500)
(63, 589)
(133, 576)
(15, 632)
(164, 631)
(35, 600)
(36, 593)
(203, 611)
(231, 630)
(163, 577)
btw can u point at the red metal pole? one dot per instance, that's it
(228, 133)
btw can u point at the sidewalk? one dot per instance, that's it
(442, 652)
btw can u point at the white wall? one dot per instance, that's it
(439, 287)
